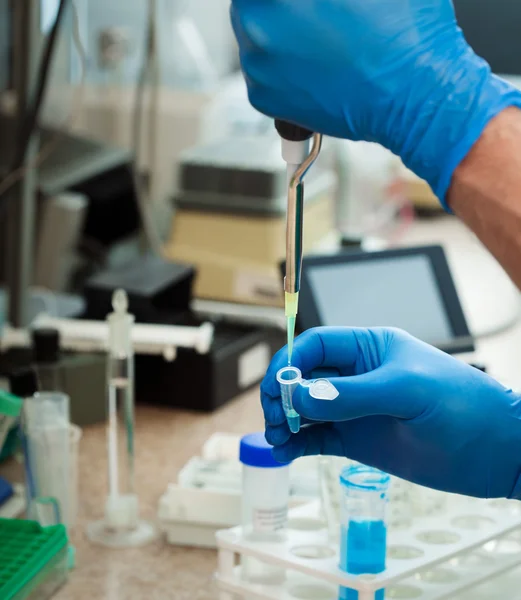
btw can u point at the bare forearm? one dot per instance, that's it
(486, 190)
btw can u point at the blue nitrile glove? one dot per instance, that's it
(404, 407)
(399, 73)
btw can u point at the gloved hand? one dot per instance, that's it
(399, 73)
(405, 408)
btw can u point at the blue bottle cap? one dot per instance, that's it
(256, 452)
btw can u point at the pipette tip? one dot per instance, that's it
(291, 336)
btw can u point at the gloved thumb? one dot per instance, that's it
(359, 396)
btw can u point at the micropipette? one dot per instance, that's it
(121, 526)
(295, 151)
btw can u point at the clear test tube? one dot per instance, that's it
(265, 501)
(289, 378)
(46, 431)
(363, 536)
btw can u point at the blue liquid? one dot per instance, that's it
(362, 550)
(293, 419)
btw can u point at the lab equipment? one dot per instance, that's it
(366, 289)
(456, 438)
(289, 379)
(437, 557)
(236, 361)
(295, 144)
(46, 441)
(89, 336)
(33, 559)
(10, 409)
(363, 538)
(121, 526)
(265, 500)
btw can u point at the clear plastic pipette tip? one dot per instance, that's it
(291, 309)
(291, 336)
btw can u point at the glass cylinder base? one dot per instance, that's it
(99, 532)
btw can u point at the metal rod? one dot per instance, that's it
(21, 212)
(295, 219)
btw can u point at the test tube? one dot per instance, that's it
(363, 536)
(289, 378)
(265, 500)
(46, 431)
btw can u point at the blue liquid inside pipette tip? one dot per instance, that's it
(293, 419)
(362, 550)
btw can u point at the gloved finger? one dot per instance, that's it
(369, 441)
(310, 441)
(272, 408)
(371, 394)
(352, 351)
(278, 435)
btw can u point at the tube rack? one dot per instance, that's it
(437, 557)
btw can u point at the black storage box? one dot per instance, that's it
(237, 361)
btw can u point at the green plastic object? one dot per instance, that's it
(10, 445)
(10, 404)
(10, 409)
(33, 559)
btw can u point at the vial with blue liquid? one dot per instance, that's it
(363, 535)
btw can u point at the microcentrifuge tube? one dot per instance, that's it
(289, 378)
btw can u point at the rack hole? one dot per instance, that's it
(438, 537)
(403, 592)
(313, 552)
(473, 522)
(440, 575)
(313, 592)
(404, 552)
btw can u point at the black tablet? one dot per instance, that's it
(410, 288)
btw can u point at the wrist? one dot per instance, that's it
(451, 117)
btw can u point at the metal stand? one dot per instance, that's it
(21, 210)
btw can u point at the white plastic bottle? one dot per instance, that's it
(265, 499)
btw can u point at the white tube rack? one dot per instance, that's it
(436, 558)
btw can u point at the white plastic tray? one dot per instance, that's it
(461, 538)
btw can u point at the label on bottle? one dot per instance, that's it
(269, 520)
